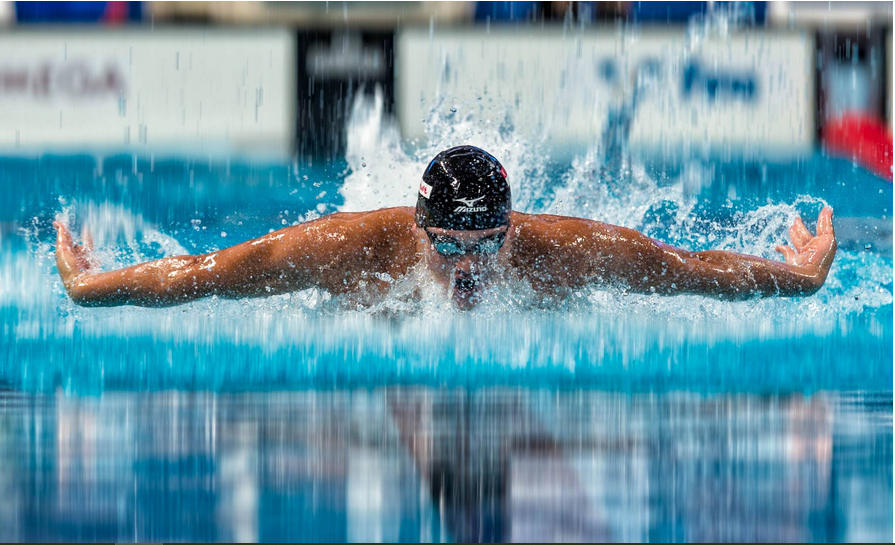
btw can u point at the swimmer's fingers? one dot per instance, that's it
(64, 241)
(789, 255)
(66, 258)
(62, 234)
(86, 239)
(825, 223)
(799, 234)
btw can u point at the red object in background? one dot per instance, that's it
(862, 138)
(116, 12)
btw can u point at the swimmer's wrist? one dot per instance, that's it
(811, 278)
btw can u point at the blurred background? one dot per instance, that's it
(183, 127)
(114, 74)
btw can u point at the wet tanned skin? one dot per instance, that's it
(347, 253)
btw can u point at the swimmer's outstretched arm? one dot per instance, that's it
(329, 252)
(618, 254)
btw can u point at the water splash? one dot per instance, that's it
(120, 237)
(382, 172)
(669, 210)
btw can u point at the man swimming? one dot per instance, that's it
(465, 235)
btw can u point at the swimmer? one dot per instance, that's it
(464, 234)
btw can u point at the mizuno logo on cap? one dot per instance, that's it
(468, 206)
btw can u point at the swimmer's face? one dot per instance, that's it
(464, 261)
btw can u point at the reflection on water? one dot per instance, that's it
(424, 464)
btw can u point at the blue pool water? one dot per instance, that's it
(613, 416)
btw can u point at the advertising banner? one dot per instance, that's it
(169, 90)
(749, 92)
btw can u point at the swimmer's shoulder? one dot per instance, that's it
(552, 230)
(371, 241)
(385, 223)
(396, 214)
(560, 251)
(385, 238)
(384, 229)
(388, 220)
(388, 230)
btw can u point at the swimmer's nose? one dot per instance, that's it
(466, 264)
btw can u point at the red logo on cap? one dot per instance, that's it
(503, 172)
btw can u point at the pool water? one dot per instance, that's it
(612, 416)
(427, 464)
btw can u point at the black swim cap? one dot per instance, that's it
(464, 188)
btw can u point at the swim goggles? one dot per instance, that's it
(449, 246)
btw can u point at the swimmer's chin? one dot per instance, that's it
(464, 299)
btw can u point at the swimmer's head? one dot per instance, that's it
(464, 208)
(463, 188)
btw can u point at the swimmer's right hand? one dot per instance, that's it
(73, 260)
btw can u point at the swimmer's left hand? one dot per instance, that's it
(813, 254)
(73, 260)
